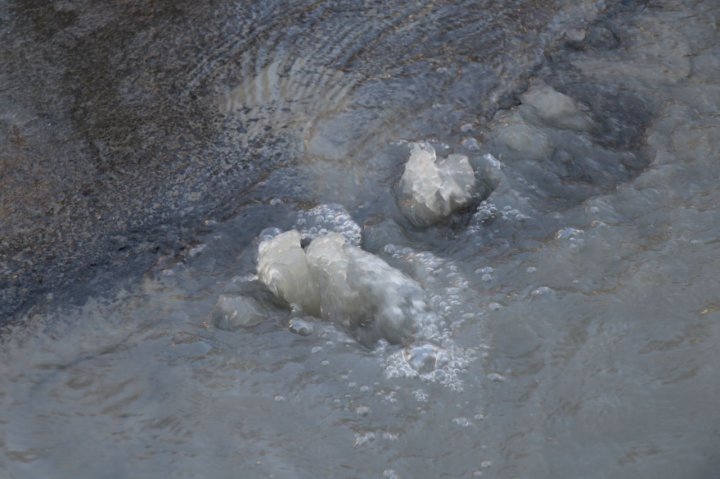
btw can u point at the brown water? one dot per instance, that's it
(578, 305)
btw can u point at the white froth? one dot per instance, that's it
(282, 267)
(342, 283)
(432, 188)
(328, 218)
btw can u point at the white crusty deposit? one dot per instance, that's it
(433, 188)
(342, 283)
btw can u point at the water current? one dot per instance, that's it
(575, 301)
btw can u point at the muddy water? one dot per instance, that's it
(578, 303)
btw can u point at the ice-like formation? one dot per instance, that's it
(340, 282)
(282, 267)
(328, 266)
(432, 188)
(547, 106)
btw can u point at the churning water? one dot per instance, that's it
(569, 319)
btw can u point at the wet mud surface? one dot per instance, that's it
(127, 124)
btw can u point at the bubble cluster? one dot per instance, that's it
(328, 218)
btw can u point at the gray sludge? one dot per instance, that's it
(435, 239)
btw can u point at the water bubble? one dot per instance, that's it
(420, 395)
(496, 377)
(542, 290)
(362, 439)
(362, 410)
(300, 327)
(471, 144)
(568, 233)
(423, 358)
(462, 422)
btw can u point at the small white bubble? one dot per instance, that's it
(494, 306)
(362, 439)
(498, 378)
(471, 144)
(462, 422)
(390, 474)
(362, 410)
(531, 269)
(420, 395)
(542, 290)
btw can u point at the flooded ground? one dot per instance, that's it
(575, 301)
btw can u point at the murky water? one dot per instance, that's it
(577, 300)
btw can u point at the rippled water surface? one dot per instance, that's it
(577, 300)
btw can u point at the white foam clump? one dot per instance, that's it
(340, 282)
(282, 267)
(432, 188)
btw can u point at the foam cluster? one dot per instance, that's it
(338, 281)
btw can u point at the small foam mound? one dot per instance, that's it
(232, 312)
(432, 188)
(340, 282)
(547, 106)
(514, 132)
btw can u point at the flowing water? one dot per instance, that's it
(576, 302)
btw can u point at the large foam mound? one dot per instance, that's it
(283, 268)
(432, 188)
(340, 282)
